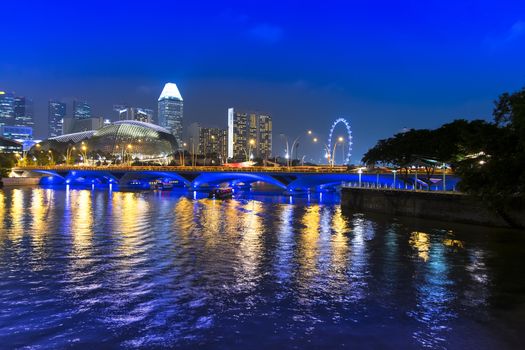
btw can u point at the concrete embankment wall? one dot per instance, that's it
(443, 206)
(21, 181)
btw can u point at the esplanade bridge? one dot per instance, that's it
(293, 178)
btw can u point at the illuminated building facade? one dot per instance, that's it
(142, 140)
(135, 113)
(10, 146)
(81, 110)
(7, 108)
(249, 135)
(171, 110)
(56, 112)
(18, 133)
(213, 141)
(23, 112)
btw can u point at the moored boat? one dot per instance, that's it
(221, 193)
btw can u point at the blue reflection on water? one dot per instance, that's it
(176, 269)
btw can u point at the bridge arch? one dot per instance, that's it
(213, 179)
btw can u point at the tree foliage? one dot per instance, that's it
(488, 156)
(7, 161)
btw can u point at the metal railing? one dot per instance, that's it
(139, 168)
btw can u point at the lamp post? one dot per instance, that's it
(130, 155)
(183, 162)
(359, 172)
(415, 179)
(84, 152)
(327, 150)
(69, 154)
(51, 159)
(444, 169)
(289, 152)
(394, 183)
(250, 144)
(341, 139)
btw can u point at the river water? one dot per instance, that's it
(83, 268)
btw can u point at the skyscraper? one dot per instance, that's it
(249, 134)
(7, 108)
(23, 112)
(213, 141)
(135, 113)
(237, 134)
(171, 110)
(116, 111)
(81, 110)
(56, 112)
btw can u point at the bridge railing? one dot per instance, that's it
(138, 168)
(200, 169)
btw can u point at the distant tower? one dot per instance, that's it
(81, 110)
(170, 111)
(23, 112)
(7, 108)
(56, 112)
(135, 113)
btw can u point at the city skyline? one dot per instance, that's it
(361, 62)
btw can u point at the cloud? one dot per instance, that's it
(266, 33)
(507, 38)
(517, 30)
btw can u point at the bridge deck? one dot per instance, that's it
(190, 169)
(216, 169)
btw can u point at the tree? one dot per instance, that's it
(7, 161)
(497, 174)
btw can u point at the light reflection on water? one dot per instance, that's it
(150, 269)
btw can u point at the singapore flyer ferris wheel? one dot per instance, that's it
(347, 142)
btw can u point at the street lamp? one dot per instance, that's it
(84, 152)
(130, 156)
(394, 172)
(327, 150)
(51, 159)
(251, 143)
(341, 139)
(183, 162)
(69, 153)
(359, 171)
(444, 169)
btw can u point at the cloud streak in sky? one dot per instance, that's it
(266, 33)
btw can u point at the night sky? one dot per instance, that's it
(383, 65)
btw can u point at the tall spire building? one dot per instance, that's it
(170, 111)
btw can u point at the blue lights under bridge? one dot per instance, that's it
(200, 178)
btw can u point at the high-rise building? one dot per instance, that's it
(171, 111)
(213, 141)
(135, 113)
(23, 110)
(264, 137)
(116, 111)
(56, 112)
(7, 108)
(16, 132)
(249, 135)
(81, 110)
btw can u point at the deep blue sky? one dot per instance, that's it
(384, 65)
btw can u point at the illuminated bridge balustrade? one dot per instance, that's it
(289, 178)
